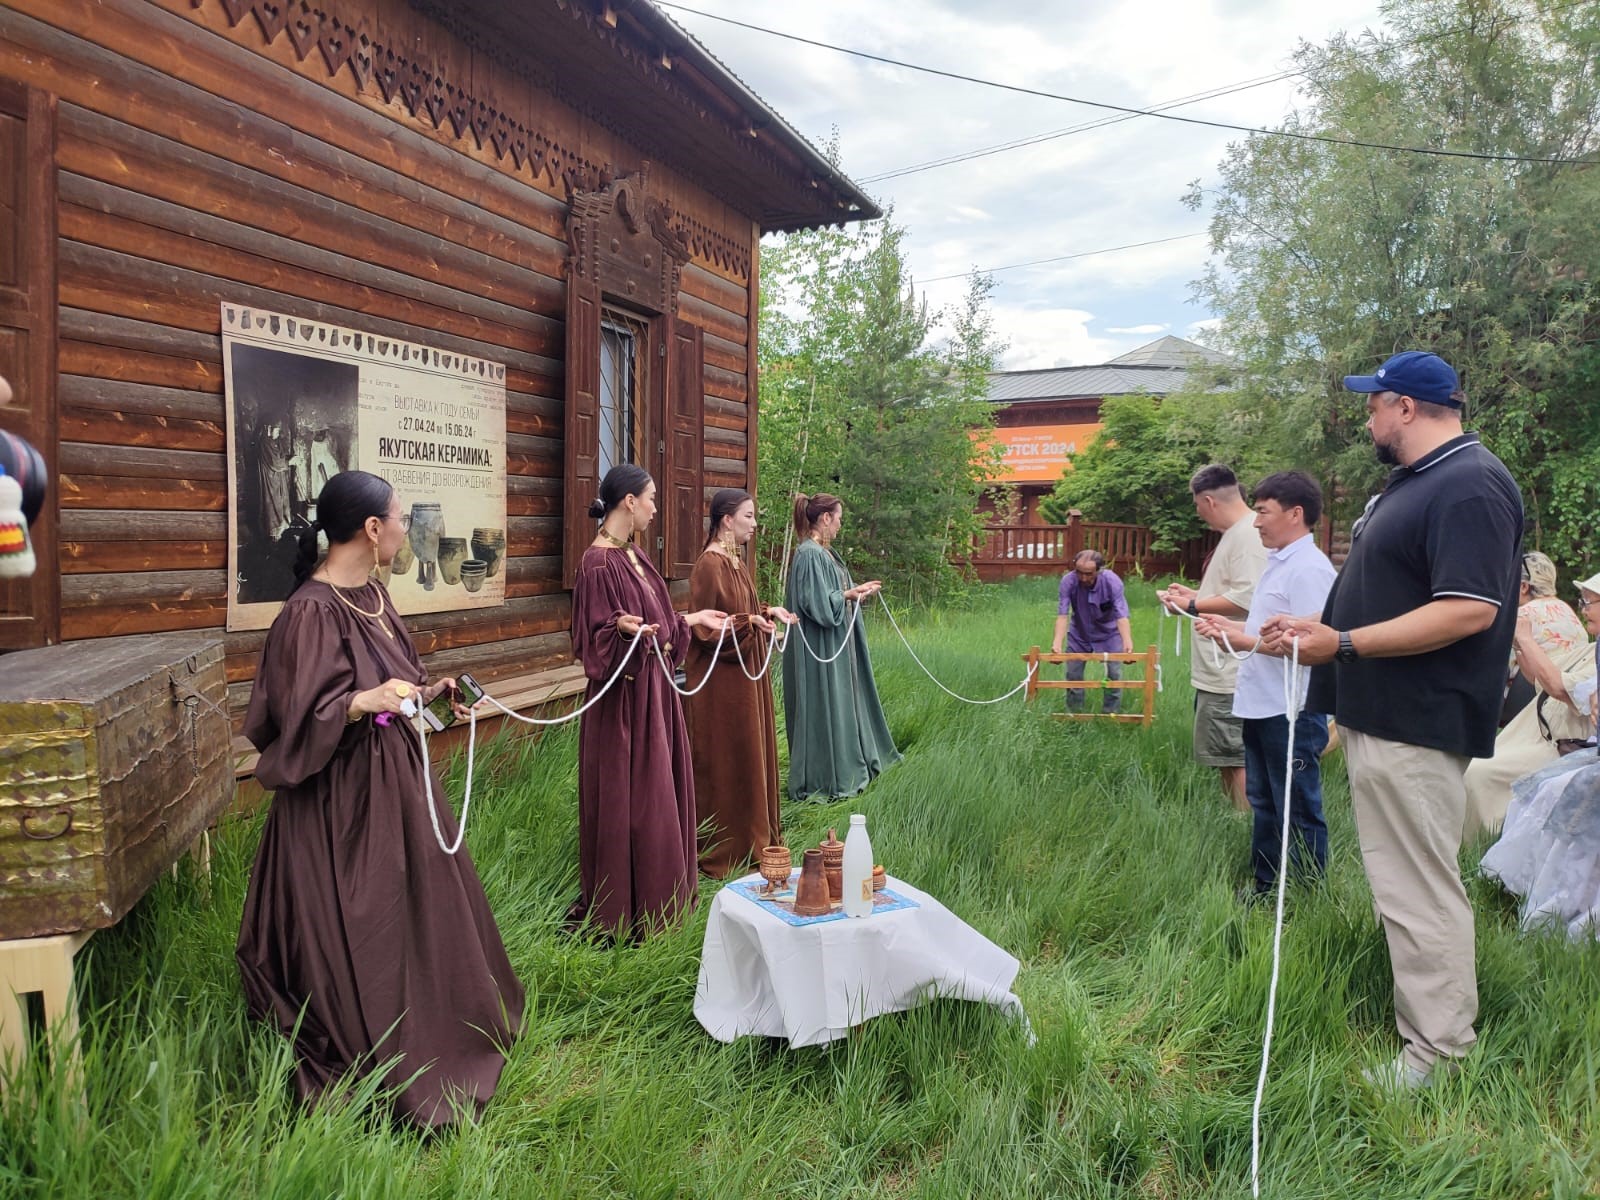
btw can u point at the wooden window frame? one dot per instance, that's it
(624, 264)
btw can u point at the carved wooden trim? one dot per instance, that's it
(623, 240)
(320, 38)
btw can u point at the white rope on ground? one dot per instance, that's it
(1291, 700)
(1026, 679)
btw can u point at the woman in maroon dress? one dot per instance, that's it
(731, 729)
(361, 939)
(636, 819)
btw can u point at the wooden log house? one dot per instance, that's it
(517, 182)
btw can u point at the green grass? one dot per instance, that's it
(1101, 856)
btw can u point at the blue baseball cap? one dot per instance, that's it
(1414, 373)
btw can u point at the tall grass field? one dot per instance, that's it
(1100, 855)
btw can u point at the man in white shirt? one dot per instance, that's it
(1297, 578)
(1226, 586)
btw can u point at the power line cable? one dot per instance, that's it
(1327, 139)
(1039, 262)
(1183, 101)
(1084, 127)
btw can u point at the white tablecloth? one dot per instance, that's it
(811, 983)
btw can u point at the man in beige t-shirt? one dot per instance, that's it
(1225, 590)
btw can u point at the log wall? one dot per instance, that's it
(200, 160)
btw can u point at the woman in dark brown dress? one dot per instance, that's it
(361, 939)
(636, 820)
(731, 730)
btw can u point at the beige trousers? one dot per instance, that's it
(1410, 803)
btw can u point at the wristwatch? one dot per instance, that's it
(1347, 649)
(1194, 608)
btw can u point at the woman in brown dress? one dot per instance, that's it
(731, 730)
(362, 940)
(636, 818)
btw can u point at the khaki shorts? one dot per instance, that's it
(1218, 734)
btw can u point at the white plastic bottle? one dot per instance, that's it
(857, 868)
(16, 552)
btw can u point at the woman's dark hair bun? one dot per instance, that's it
(597, 509)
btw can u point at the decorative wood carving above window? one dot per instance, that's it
(623, 241)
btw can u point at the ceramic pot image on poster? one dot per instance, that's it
(403, 558)
(473, 573)
(295, 420)
(452, 553)
(427, 527)
(490, 545)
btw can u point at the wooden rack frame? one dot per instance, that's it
(1151, 659)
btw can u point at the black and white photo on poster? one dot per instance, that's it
(305, 400)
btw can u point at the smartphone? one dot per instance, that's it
(440, 715)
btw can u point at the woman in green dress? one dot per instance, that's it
(838, 738)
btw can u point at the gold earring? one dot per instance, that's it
(730, 545)
(377, 560)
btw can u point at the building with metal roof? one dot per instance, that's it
(1044, 417)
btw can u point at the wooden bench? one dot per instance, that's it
(42, 965)
(1151, 659)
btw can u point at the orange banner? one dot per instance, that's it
(1040, 453)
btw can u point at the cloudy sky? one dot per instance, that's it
(1083, 192)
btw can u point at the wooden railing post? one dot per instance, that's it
(1032, 659)
(1152, 656)
(1074, 535)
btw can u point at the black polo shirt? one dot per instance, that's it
(1448, 525)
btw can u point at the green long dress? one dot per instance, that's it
(838, 738)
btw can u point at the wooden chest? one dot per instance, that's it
(114, 758)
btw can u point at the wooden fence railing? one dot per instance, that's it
(1006, 551)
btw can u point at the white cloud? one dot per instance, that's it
(1107, 187)
(1142, 329)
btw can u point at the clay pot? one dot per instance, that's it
(811, 892)
(776, 865)
(490, 545)
(452, 553)
(473, 572)
(833, 865)
(880, 878)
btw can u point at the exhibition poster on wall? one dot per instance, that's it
(306, 400)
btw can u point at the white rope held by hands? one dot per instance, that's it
(672, 678)
(1026, 679)
(855, 619)
(1292, 679)
(472, 747)
(427, 780)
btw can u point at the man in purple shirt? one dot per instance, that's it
(1099, 622)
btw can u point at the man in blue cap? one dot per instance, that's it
(1410, 652)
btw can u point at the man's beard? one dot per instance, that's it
(1387, 454)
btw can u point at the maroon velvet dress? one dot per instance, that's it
(636, 822)
(354, 913)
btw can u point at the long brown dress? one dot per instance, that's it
(731, 728)
(354, 913)
(636, 854)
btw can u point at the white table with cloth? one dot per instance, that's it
(767, 972)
